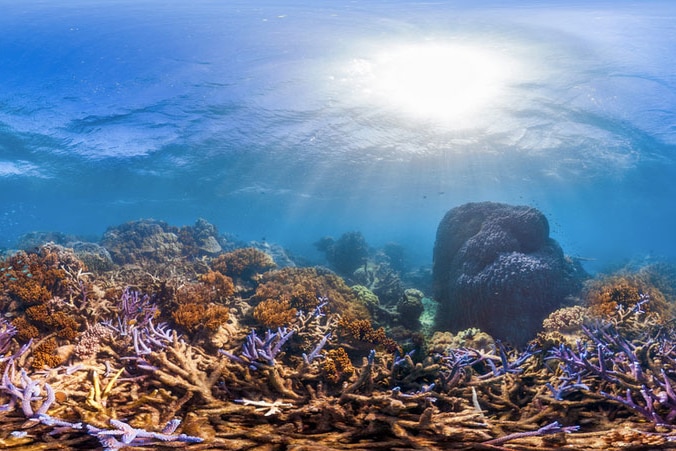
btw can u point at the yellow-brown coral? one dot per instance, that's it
(221, 285)
(361, 330)
(271, 313)
(243, 263)
(194, 317)
(302, 288)
(49, 320)
(606, 295)
(45, 354)
(336, 365)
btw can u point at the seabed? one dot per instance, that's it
(163, 338)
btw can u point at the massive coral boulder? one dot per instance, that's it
(496, 268)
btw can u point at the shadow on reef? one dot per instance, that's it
(121, 344)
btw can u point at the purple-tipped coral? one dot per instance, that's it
(7, 331)
(637, 374)
(260, 352)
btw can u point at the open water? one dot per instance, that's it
(290, 120)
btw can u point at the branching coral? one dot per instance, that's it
(326, 377)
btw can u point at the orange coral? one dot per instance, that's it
(604, 296)
(362, 330)
(194, 317)
(32, 278)
(47, 320)
(213, 287)
(45, 354)
(243, 263)
(337, 365)
(222, 285)
(189, 316)
(271, 313)
(32, 286)
(302, 287)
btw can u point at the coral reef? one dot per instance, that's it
(345, 254)
(245, 263)
(410, 307)
(496, 268)
(147, 241)
(607, 294)
(302, 288)
(185, 359)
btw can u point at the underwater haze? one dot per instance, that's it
(292, 120)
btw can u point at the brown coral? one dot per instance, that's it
(302, 288)
(361, 330)
(336, 365)
(271, 313)
(33, 278)
(195, 317)
(45, 354)
(35, 287)
(244, 263)
(606, 295)
(48, 320)
(221, 285)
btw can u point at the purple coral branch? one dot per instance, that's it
(552, 428)
(257, 352)
(7, 331)
(28, 392)
(315, 354)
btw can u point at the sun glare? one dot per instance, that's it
(442, 82)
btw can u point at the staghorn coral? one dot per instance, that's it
(321, 388)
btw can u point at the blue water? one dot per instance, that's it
(290, 120)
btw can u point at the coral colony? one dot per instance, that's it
(161, 337)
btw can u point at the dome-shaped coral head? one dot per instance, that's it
(616, 295)
(496, 268)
